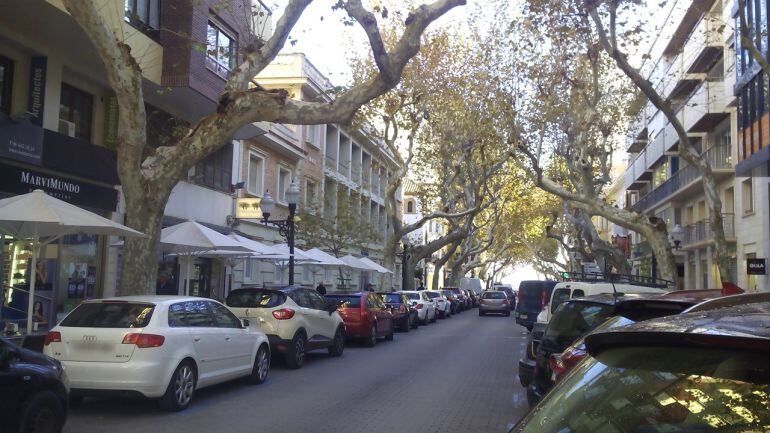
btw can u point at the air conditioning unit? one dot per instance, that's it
(67, 128)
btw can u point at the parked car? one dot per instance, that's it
(474, 298)
(527, 363)
(163, 347)
(294, 318)
(468, 299)
(34, 391)
(404, 316)
(463, 302)
(494, 302)
(705, 371)
(365, 316)
(454, 301)
(578, 317)
(425, 306)
(532, 298)
(443, 305)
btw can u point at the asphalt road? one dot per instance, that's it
(456, 375)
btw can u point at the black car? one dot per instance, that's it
(33, 394)
(474, 298)
(532, 297)
(404, 315)
(577, 317)
(704, 371)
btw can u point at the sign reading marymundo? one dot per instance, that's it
(17, 180)
(21, 140)
(756, 267)
(36, 96)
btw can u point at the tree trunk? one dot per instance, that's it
(436, 275)
(411, 266)
(139, 267)
(661, 248)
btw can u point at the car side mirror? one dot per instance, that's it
(245, 323)
(331, 308)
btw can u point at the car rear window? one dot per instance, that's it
(433, 295)
(110, 315)
(392, 298)
(572, 321)
(493, 295)
(415, 296)
(344, 301)
(255, 298)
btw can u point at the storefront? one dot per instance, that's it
(71, 268)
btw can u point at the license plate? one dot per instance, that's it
(523, 316)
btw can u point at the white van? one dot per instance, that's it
(474, 284)
(577, 289)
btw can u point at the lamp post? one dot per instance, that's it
(285, 227)
(676, 236)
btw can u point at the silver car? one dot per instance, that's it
(494, 302)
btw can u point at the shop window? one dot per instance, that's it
(144, 15)
(75, 112)
(747, 196)
(284, 180)
(216, 170)
(220, 50)
(256, 174)
(6, 84)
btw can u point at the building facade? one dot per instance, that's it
(692, 64)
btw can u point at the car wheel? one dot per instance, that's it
(416, 322)
(181, 388)
(338, 344)
(407, 324)
(295, 356)
(389, 336)
(261, 366)
(371, 339)
(44, 413)
(425, 321)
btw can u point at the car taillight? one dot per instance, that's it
(505, 302)
(419, 306)
(283, 314)
(543, 300)
(52, 337)
(562, 363)
(402, 309)
(143, 341)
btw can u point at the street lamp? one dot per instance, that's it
(285, 227)
(676, 236)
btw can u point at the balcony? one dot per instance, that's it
(676, 81)
(637, 132)
(706, 107)
(331, 163)
(686, 179)
(704, 45)
(700, 233)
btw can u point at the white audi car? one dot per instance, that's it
(426, 307)
(161, 347)
(443, 305)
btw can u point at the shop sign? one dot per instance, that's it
(36, 96)
(110, 122)
(17, 180)
(248, 208)
(756, 266)
(21, 140)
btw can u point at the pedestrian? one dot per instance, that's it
(321, 289)
(369, 287)
(420, 287)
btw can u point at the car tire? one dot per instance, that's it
(416, 322)
(181, 388)
(338, 343)
(43, 413)
(295, 356)
(389, 336)
(433, 320)
(425, 321)
(371, 339)
(261, 366)
(407, 324)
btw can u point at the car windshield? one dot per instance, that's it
(573, 320)
(255, 299)
(110, 315)
(413, 296)
(493, 295)
(392, 298)
(656, 390)
(344, 301)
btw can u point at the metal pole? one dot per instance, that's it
(403, 269)
(290, 222)
(31, 278)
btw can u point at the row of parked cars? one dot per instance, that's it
(167, 347)
(626, 358)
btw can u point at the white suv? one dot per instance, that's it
(295, 319)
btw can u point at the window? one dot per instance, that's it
(76, 107)
(6, 84)
(747, 196)
(196, 314)
(284, 180)
(223, 316)
(220, 50)
(312, 134)
(316, 300)
(311, 193)
(410, 206)
(110, 315)
(144, 14)
(256, 175)
(215, 171)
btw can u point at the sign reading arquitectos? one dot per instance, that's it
(18, 180)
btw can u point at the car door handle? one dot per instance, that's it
(196, 339)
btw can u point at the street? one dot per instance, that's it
(456, 375)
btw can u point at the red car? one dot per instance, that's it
(365, 316)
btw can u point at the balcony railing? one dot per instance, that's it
(719, 157)
(701, 230)
(331, 162)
